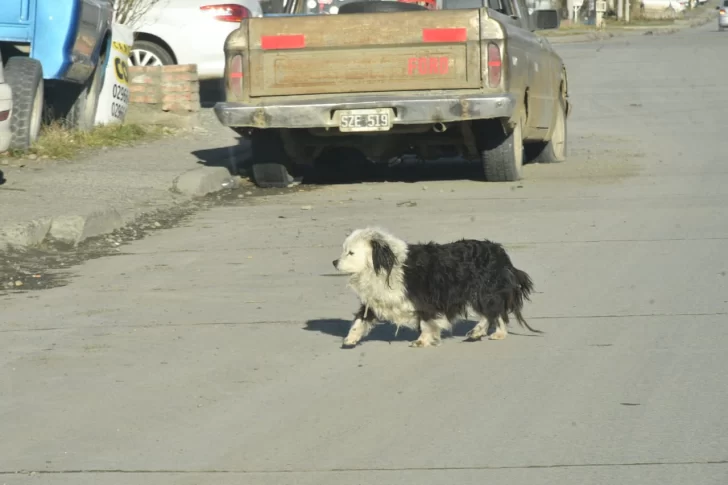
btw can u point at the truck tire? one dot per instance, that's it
(271, 166)
(501, 151)
(82, 114)
(377, 6)
(25, 77)
(554, 150)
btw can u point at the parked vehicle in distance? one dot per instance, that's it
(54, 55)
(6, 109)
(722, 15)
(389, 79)
(189, 32)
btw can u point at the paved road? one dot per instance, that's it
(209, 353)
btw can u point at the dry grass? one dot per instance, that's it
(58, 142)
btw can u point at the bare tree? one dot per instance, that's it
(129, 12)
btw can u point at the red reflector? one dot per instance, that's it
(235, 76)
(271, 42)
(494, 65)
(445, 35)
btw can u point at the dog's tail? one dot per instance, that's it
(522, 291)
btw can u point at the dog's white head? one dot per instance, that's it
(371, 250)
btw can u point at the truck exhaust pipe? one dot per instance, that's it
(439, 127)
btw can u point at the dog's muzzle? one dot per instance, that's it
(336, 263)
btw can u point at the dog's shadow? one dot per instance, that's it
(385, 332)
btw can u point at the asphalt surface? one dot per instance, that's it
(209, 352)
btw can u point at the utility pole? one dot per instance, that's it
(627, 6)
(620, 13)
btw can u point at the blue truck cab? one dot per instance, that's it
(54, 53)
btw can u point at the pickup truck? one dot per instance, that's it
(468, 79)
(54, 54)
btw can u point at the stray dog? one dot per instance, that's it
(431, 286)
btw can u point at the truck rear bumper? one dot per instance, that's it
(408, 110)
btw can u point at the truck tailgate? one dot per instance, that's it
(376, 52)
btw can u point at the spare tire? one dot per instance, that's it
(378, 6)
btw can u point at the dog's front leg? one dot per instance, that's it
(429, 334)
(364, 321)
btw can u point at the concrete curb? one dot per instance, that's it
(71, 229)
(201, 181)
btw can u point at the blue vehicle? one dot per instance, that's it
(54, 53)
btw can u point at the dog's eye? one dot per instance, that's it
(351, 253)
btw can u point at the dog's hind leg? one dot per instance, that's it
(497, 329)
(364, 321)
(430, 332)
(478, 331)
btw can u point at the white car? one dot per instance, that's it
(189, 32)
(6, 110)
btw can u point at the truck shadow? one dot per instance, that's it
(349, 168)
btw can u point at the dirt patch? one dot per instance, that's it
(52, 264)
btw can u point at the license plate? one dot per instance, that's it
(377, 119)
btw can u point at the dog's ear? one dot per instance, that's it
(382, 257)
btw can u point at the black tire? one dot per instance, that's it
(271, 166)
(164, 56)
(25, 77)
(554, 150)
(501, 150)
(378, 6)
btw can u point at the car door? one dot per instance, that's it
(16, 20)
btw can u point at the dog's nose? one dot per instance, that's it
(336, 262)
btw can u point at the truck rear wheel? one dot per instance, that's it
(25, 77)
(501, 150)
(271, 166)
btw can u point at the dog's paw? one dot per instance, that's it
(421, 343)
(474, 335)
(497, 335)
(349, 343)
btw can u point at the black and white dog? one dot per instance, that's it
(431, 286)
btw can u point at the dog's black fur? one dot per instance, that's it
(444, 279)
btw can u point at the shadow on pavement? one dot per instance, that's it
(338, 327)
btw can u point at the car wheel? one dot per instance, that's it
(25, 77)
(146, 53)
(501, 150)
(554, 150)
(271, 166)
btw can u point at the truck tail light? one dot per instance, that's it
(227, 12)
(721, 11)
(235, 76)
(494, 65)
(4, 115)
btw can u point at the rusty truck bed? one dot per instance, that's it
(401, 51)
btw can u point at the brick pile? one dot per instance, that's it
(169, 88)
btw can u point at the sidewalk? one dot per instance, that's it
(74, 200)
(700, 16)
